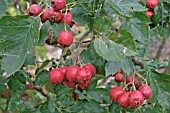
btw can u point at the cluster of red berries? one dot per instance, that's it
(132, 99)
(151, 4)
(54, 14)
(73, 76)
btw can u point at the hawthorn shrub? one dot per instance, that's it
(101, 69)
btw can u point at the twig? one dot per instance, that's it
(41, 91)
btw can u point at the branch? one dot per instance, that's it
(40, 91)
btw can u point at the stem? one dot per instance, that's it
(133, 82)
(65, 26)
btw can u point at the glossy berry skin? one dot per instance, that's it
(149, 13)
(71, 73)
(65, 38)
(136, 99)
(146, 91)
(64, 69)
(83, 75)
(54, 16)
(152, 3)
(129, 79)
(34, 10)
(69, 84)
(115, 93)
(67, 18)
(58, 4)
(91, 68)
(119, 77)
(85, 85)
(123, 99)
(56, 76)
(45, 15)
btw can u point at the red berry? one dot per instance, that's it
(56, 76)
(152, 3)
(123, 99)
(115, 93)
(58, 4)
(65, 38)
(71, 73)
(34, 10)
(91, 68)
(83, 75)
(69, 84)
(136, 99)
(54, 16)
(45, 15)
(149, 13)
(120, 70)
(85, 85)
(129, 79)
(64, 69)
(67, 18)
(146, 91)
(119, 77)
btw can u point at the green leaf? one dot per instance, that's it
(18, 35)
(30, 59)
(42, 78)
(108, 49)
(2, 7)
(2, 84)
(114, 108)
(81, 15)
(127, 40)
(45, 63)
(138, 26)
(89, 55)
(112, 67)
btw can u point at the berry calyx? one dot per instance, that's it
(119, 77)
(69, 84)
(83, 75)
(67, 18)
(130, 79)
(91, 68)
(65, 38)
(149, 13)
(136, 99)
(71, 73)
(54, 16)
(152, 3)
(146, 91)
(56, 76)
(58, 4)
(115, 93)
(123, 99)
(45, 15)
(85, 85)
(34, 10)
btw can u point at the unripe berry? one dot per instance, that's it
(136, 99)
(146, 91)
(119, 77)
(56, 76)
(71, 73)
(149, 13)
(123, 99)
(55, 16)
(58, 4)
(65, 38)
(152, 3)
(34, 10)
(115, 93)
(83, 75)
(91, 68)
(129, 79)
(69, 84)
(67, 18)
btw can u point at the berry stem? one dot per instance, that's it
(65, 27)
